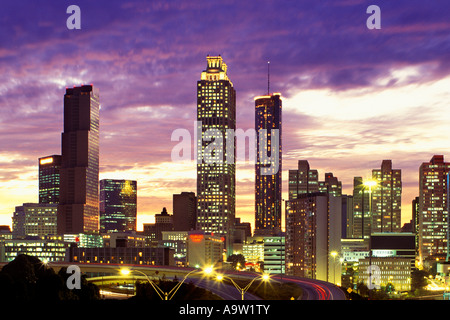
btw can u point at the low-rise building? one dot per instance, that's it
(378, 272)
(204, 249)
(46, 248)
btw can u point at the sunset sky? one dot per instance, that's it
(352, 96)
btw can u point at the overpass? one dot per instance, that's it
(98, 273)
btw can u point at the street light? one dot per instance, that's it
(161, 293)
(242, 291)
(334, 254)
(369, 184)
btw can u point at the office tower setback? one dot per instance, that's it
(331, 185)
(216, 173)
(386, 198)
(433, 209)
(268, 174)
(303, 180)
(78, 209)
(118, 205)
(184, 211)
(49, 179)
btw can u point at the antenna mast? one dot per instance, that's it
(268, 77)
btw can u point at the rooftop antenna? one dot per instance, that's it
(268, 77)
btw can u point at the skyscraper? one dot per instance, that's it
(216, 172)
(118, 205)
(361, 227)
(35, 220)
(49, 179)
(386, 198)
(267, 174)
(433, 208)
(184, 211)
(303, 180)
(78, 209)
(313, 232)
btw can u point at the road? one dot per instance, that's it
(315, 289)
(312, 289)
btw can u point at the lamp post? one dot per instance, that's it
(242, 291)
(161, 293)
(369, 184)
(334, 254)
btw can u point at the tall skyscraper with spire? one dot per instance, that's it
(78, 209)
(268, 111)
(216, 173)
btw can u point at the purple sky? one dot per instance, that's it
(352, 96)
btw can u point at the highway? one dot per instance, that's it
(312, 289)
(315, 289)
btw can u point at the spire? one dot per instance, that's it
(268, 77)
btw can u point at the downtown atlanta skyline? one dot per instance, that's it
(352, 97)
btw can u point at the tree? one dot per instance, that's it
(26, 278)
(236, 260)
(419, 280)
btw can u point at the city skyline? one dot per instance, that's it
(352, 97)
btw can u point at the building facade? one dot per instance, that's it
(379, 272)
(184, 211)
(313, 233)
(118, 205)
(204, 249)
(49, 249)
(79, 193)
(216, 150)
(161, 256)
(331, 185)
(362, 218)
(303, 180)
(268, 185)
(49, 179)
(433, 209)
(386, 198)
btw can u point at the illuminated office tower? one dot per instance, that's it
(433, 209)
(78, 209)
(361, 227)
(267, 174)
(49, 179)
(386, 198)
(216, 175)
(313, 234)
(35, 220)
(303, 180)
(118, 205)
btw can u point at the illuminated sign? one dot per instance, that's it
(196, 237)
(384, 253)
(46, 161)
